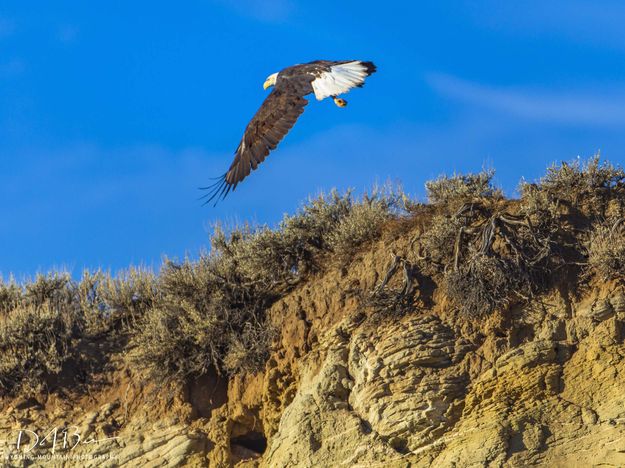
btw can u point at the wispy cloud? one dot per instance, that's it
(271, 11)
(605, 107)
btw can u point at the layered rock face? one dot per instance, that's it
(356, 381)
(544, 388)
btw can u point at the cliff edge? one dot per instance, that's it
(472, 330)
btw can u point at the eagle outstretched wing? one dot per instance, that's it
(281, 109)
(277, 114)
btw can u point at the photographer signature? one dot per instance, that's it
(64, 438)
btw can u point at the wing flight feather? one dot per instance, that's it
(272, 122)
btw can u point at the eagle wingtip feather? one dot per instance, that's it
(370, 67)
(216, 191)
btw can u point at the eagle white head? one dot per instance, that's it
(270, 81)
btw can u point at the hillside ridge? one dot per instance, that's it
(471, 330)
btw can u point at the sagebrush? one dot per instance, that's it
(211, 313)
(194, 315)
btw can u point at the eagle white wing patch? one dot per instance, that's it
(340, 79)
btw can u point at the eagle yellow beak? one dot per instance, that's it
(267, 84)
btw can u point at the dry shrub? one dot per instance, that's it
(38, 324)
(462, 188)
(10, 296)
(485, 282)
(538, 204)
(211, 313)
(35, 342)
(45, 320)
(439, 240)
(338, 224)
(114, 303)
(175, 342)
(586, 185)
(54, 289)
(249, 350)
(305, 236)
(261, 256)
(207, 307)
(487, 256)
(121, 300)
(498, 260)
(364, 221)
(606, 250)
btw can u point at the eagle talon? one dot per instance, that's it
(340, 102)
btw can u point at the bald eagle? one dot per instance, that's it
(281, 109)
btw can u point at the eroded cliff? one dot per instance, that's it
(377, 359)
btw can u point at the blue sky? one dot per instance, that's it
(113, 113)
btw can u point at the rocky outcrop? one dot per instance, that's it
(117, 433)
(423, 391)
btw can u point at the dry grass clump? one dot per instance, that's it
(364, 221)
(486, 282)
(606, 250)
(462, 188)
(35, 343)
(587, 186)
(116, 303)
